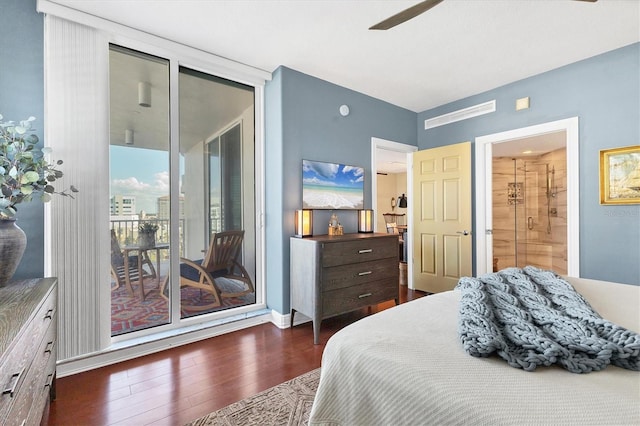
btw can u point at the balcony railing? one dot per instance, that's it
(127, 231)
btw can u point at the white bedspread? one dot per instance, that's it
(406, 366)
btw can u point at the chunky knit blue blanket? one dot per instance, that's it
(531, 317)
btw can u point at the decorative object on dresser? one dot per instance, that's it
(334, 226)
(28, 350)
(12, 244)
(25, 173)
(365, 221)
(335, 274)
(304, 223)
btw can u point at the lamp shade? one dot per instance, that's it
(365, 221)
(402, 201)
(304, 223)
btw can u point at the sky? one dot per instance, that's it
(331, 174)
(143, 173)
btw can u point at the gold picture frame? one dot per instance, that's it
(620, 175)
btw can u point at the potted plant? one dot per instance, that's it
(25, 174)
(147, 234)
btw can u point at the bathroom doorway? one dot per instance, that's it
(529, 151)
(530, 203)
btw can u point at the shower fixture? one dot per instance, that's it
(551, 186)
(552, 190)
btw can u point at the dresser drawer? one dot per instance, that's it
(42, 392)
(358, 273)
(33, 395)
(24, 360)
(335, 274)
(350, 298)
(345, 252)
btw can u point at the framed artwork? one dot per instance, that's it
(332, 186)
(620, 175)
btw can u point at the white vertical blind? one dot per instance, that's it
(77, 237)
(77, 233)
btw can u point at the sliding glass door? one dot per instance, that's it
(217, 170)
(216, 193)
(139, 190)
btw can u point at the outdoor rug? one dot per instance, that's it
(129, 313)
(288, 403)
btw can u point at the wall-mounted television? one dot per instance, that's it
(332, 186)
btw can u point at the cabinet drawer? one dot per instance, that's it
(345, 252)
(15, 370)
(32, 392)
(358, 273)
(350, 298)
(41, 391)
(33, 395)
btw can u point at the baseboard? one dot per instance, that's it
(152, 344)
(284, 321)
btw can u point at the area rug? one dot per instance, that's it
(288, 403)
(129, 313)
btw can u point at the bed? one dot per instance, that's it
(406, 366)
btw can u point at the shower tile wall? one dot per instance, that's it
(535, 246)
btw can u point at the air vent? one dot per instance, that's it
(461, 114)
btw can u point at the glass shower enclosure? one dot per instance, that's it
(530, 211)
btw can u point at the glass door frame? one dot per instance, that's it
(483, 200)
(183, 56)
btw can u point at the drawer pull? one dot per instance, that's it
(49, 347)
(365, 251)
(49, 381)
(364, 273)
(12, 389)
(49, 314)
(362, 296)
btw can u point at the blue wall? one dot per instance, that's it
(22, 95)
(604, 92)
(303, 122)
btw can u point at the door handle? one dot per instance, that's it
(465, 232)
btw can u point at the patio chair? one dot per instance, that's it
(125, 276)
(220, 273)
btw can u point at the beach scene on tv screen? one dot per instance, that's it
(332, 186)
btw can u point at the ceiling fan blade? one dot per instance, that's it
(406, 14)
(414, 11)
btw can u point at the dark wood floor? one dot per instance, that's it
(184, 383)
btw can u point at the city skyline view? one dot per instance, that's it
(142, 173)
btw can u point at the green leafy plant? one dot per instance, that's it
(147, 227)
(25, 173)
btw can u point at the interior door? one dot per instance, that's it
(441, 217)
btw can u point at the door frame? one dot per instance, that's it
(384, 144)
(483, 175)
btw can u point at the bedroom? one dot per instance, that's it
(603, 86)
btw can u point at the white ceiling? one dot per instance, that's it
(388, 161)
(457, 49)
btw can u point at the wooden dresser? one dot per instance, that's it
(28, 345)
(334, 274)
